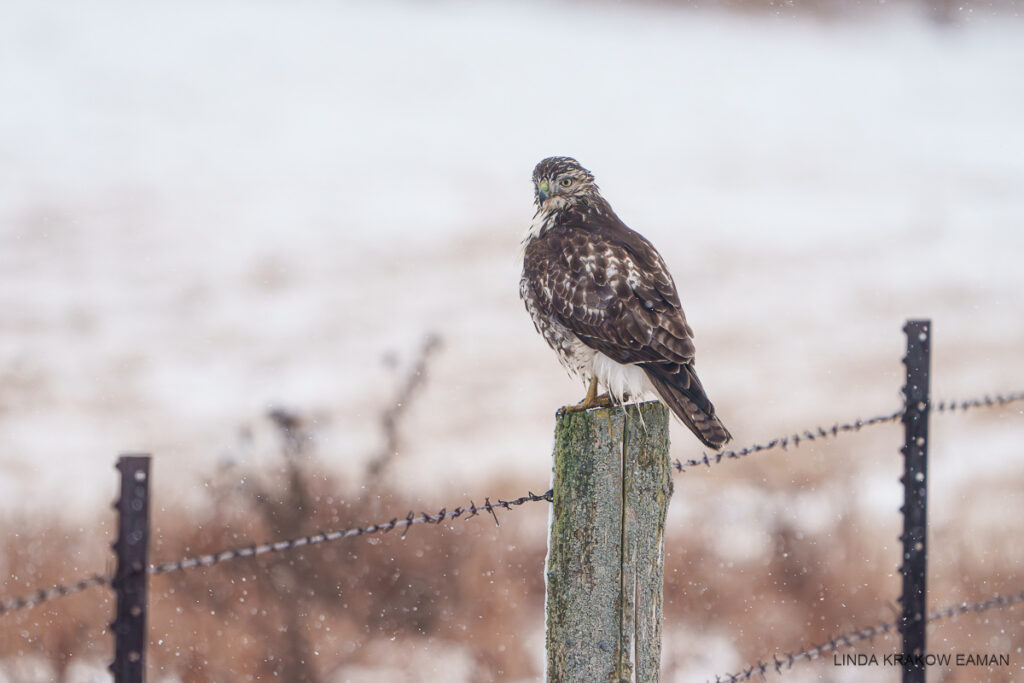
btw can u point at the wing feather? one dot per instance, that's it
(609, 286)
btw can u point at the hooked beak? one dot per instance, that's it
(543, 191)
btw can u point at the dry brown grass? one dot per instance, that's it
(326, 613)
(808, 586)
(300, 615)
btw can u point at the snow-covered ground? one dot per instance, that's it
(210, 208)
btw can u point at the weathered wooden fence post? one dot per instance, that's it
(606, 551)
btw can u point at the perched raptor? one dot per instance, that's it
(603, 299)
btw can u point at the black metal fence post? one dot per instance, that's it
(915, 500)
(130, 579)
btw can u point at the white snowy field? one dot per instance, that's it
(211, 208)
(208, 209)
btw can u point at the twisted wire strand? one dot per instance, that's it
(795, 439)
(468, 512)
(784, 662)
(404, 523)
(45, 594)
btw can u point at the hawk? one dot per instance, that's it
(602, 297)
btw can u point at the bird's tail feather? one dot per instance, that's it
(680, 389)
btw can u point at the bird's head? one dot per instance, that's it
(559, 180)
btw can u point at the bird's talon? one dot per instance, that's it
(591, 400)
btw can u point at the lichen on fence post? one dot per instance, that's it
(605, 567)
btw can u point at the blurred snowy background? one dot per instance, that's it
(209, 209)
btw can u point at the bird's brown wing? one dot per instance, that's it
(617, 301)
(610, 286)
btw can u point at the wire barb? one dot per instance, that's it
(847, 640)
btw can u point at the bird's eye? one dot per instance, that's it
(565, 182)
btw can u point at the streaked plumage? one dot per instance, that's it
(603, 299)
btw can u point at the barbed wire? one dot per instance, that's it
(986, 401)
(326, 536)
(43, 595)
(780, 663)
(795, 439)
(468, 512)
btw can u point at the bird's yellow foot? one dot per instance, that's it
(591, 400)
